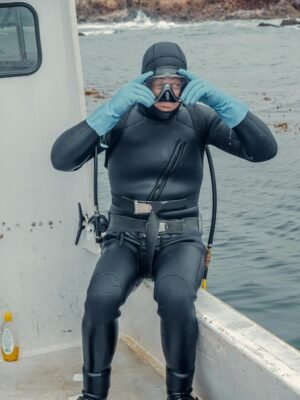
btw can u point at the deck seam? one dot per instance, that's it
(143, 354)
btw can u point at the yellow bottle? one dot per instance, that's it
(9, 339)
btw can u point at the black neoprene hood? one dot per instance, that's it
(163, 58)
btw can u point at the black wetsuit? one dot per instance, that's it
(139, 167)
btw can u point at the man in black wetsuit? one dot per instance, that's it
(154, 132)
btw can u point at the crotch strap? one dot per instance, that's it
(151, 227)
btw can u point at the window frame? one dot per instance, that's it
(37, 37)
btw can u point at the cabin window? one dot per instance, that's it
(20, 47)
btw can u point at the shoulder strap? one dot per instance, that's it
(116, 135)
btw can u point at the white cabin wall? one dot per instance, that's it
(44, 277)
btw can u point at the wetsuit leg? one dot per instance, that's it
(113, 279)
(178, 270)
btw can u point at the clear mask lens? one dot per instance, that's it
(157, 83)
(167, 88)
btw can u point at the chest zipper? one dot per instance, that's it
(173, 162)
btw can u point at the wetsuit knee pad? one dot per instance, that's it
(104, 298)
(174, 298)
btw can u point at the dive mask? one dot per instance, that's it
(168, 87)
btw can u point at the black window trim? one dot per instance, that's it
(37, 36)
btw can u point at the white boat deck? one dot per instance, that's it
(257, 364)
(57, 375)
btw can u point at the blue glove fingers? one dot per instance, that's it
(143, 77)
(107, 116)
(231, 110)
(186, 74)
(142, 100)
(188, 89)
(199, 96)
(194, 92)
(127, 96)
(148, 100)
(145, 91)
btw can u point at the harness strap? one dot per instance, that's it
(121, 223)
(146, 207)
(151, 227)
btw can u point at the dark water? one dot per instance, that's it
(255, 265)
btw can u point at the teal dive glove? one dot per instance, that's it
(231, 110)
(105, 117)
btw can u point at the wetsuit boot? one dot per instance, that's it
(87, 398)
(98, 385)
(179, 385)
(181, 396)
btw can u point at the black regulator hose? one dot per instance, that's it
(99, 220)
(213, 216)
(98, 235)
(96, 204)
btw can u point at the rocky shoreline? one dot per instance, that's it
(186, 10)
